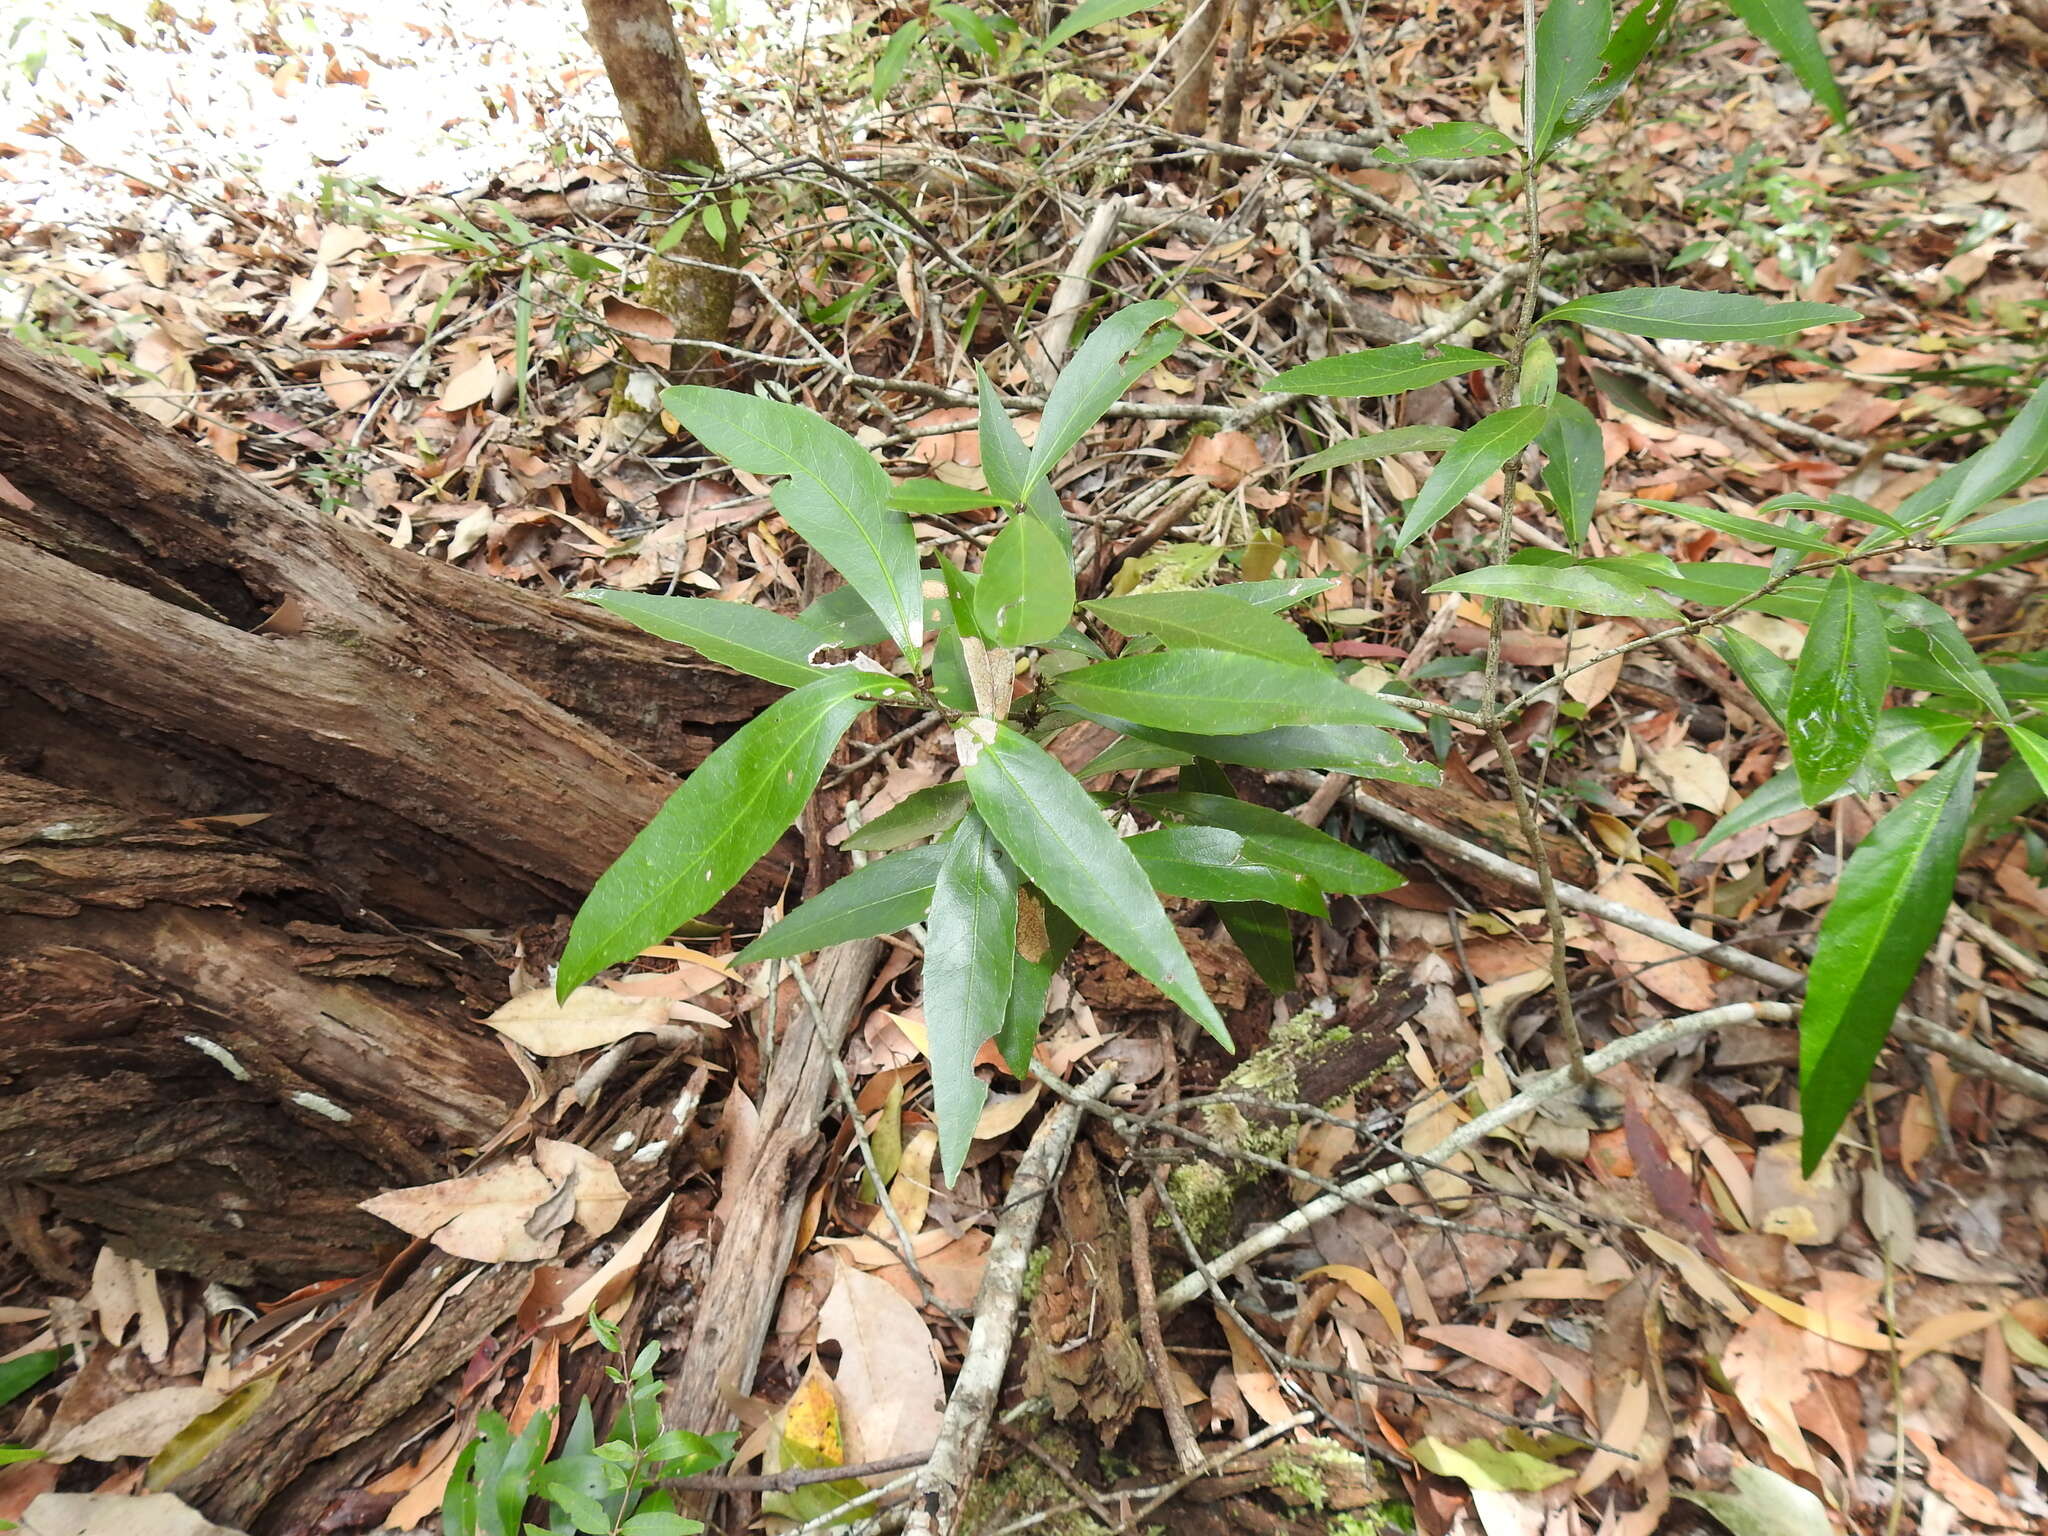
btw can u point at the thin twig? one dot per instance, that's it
(791, 1478)
(1180, 1429)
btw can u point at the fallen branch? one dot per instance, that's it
(972, 1406)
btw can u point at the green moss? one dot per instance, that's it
(1300, 1483)
(1024, 1487)
(1034, 1271)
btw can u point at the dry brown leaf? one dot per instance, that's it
(1221, 458)
(603, 1287)
(348, 389)
(1970, 1497)
(1691, 777)
(114, 1514)
(1254, 1380)
(589, 1018)
(1672, 974)
(483, 1217)
(1810, 1212)
(1596, 682)
(140, 1425)
(1535, 1368)
(470, 385)
(1763, 1366)
(888, 1378)
(600, 1197)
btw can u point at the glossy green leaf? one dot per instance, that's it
(24, 1371)
(1051, 827)
(1446, 141)
(1039, 956)
(1889, 905)
(1690, 315)
(2017, 455)
(1208, 618)
(1479, 451)
(1787, 27)
(1578, 588)
(1129, 754)
(1763, 672)
(1210, 864)
(1574, 465)
(1091, 14)
(2033, 752)
(1564, 59)
(2024, 522)
(1382, 370)
(1377, 445)
(835, 495)
(724, 817)
(969, 958)
(883, 897)
(1263, 933)
(1006, 464)
(921, 814)
(1214, 693)
(1279, 594)
(1363, 751)
(1923, 631)
(737, 635)
(1093, 380)
(1620, 59)
(926, 497)
(1273, 837)
(1026, 592)
(1754, 530)
(1837, 688)
(842, 618)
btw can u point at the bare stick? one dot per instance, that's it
(973, 1403)
(1230, 115)
(1541, 1090)
(1179, 1428)
(1049, 346)
(1194, 64)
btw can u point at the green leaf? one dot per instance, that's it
(969, 958)
(1049, 824)
(1129, 754)
(1382, 370)
(1889, 905)
(1621, 58)
(843, 619)
(1564, 59)
(737, 635)
(1763, 672)
(1924, 631)
(24, 1371)
(1574, 464)
(926, 497)
(1377, 445)
(1215, 618)
(1273, 837)
(1480, 450)
(2017, 455)
(2032, 750)
(2023, 522)
(1838, 688)
(1765, 1503)
(1093, 381)
(974, 32)
(1214, 693)
(882, 897)
(1026, 592)
(459, 1502)
(1801, 536)
(726, 815)
(660, 1523)
(919, 815)
(1031, 978)
(1091, 14)
(894, 59)
(1579, 588)
(1486, 1467)
(1788, 29)
(1687, 314)
(1446, 141)
(836, 496)
(1264, 936)
(1006, 462)
(1363, 751)
(1210, 864)
(1277, 595)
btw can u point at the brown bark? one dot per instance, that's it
(657, 95)
(261, 780)
(1194, 66)
(1244, 29)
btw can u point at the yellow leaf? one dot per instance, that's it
(1367, 1285)
(1838, 1329)
(810, 1425)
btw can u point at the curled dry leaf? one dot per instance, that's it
(140, 1425)
(600, 1197)
(511, 1213)
(602, 1288)
(1691, 777)
(590, 1018)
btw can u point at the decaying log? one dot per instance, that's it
(267, 785)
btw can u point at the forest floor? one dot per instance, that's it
(383, 260)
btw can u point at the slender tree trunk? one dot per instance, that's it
(658, 99)
(1194, 65)
(1244, 29)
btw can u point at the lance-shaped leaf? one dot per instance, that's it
(1382, 370)
(1278, 594)
(922, 814)
(1688, 315)
(737, 635)
(1210, 864)
(724, 817)
(1889, 905)
(1578, 588)
(1363, 751)
(1838, 687)
(1479, 451)
(2033, 752)
(1089, 15)
(1574, 464)
(969, 959)
(2024, 522)
(882, 897)
(842, 618)
(1006, 463)
(2018, 454)
(1377, 445)
(1048, 823)
(1093, 381)
(1026, 592)
(1215, 618)
(1620, 59)
(1446, 141)
(1788, 28)
(1215, 693)
(1045, 934)
(1263, 933)
(1938, 650)
(836, 496)
(1763, 672)
(1564, 59)
(1273, 837)
(1754, 530)
(925, 497)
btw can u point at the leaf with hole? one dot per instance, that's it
(1889, 905)
(724, 817)
(1446, 141)
(1478, 453)
(737, 635)
(1689, 315)
(1377, 371)
(1838, 687)
(1050, 826)
(1214, 693)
